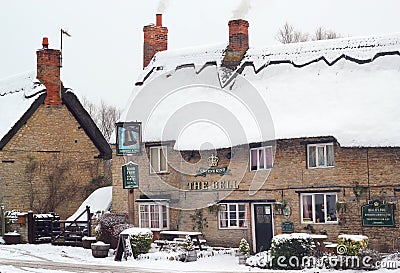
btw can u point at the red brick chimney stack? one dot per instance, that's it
(155, 40)
(238, 43)
(238, 35)
(48, 72)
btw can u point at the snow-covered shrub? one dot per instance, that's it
(353, 244)
(141, 239)
(117, 229)
(106, 225)
(372, 257)
(244, 246)
(188, 244)
(288, 250)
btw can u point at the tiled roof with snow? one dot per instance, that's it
(348, 88)
(17, 93)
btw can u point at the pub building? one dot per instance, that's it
(239, 142)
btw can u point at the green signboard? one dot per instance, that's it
(287, 227)
(377, 215)
(213, 170)
(130, 175)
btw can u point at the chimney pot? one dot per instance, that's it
(45, 42)
(159, 20)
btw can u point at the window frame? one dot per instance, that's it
(237, 217)
(161, 219)
(313, 208)
(263, 148)
(161, 149)
(317, 145)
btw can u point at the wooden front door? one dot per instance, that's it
(263, 226)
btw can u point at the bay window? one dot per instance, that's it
(153, 215)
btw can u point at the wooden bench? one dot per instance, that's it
(179, 237)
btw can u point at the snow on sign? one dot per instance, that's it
(130, 175)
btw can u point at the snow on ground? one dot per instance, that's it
(220, 262)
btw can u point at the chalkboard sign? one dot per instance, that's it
(287, 227)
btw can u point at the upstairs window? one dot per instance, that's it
(320, 155)
(158, 159)
(261, 158)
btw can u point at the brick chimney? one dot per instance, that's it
(155, 40)
(48, 72)
(238, 42)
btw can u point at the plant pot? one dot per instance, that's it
(242, 258)
(100, 249)
(12, 238)
(88, 241)
(191, 256)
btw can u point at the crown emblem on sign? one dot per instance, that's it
(213, 160)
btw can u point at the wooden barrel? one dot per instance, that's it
(191, 256)
(100, 250)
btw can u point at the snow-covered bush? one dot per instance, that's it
(105, 228)
(372, 256)
(353, 244)
(244, 246)
(288, 250)
(140, 238)
(117, 229)
(188, 244)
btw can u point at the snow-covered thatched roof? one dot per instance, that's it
(17, 93)
(21, 95)
(348, 88)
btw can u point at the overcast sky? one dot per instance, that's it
(103, 58)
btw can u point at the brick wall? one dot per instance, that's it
(288, 178)
(51, 137)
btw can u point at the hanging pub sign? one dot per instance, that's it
(130, 175)
(377, 215)
(128, 137)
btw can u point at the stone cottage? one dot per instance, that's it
(239, 142)
(52, 155)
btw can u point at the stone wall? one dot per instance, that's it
(374, 169)
(51, 146)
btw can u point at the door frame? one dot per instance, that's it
(253, 222)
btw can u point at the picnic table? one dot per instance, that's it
(177, 237)
(318, 240)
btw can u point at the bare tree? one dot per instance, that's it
(104, 115)
(288, 34)
(324, 34)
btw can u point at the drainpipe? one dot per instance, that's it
(3, 221)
